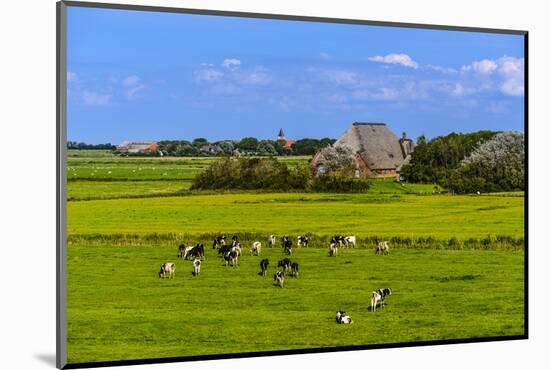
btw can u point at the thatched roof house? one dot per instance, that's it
(378, 151)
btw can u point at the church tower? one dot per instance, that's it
(281, 135)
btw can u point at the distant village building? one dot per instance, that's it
(378, 152)
(142, 147)
(285, 143)
(211, 149)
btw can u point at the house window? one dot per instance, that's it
(321, 170)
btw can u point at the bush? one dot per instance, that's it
(339, 184)
(250, 174)
(270, 174)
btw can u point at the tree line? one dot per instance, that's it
(245, 146)
(81, 145)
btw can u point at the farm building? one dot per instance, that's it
(137, 147)
(378, 151)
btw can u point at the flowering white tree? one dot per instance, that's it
(496, 165)
(337, 159)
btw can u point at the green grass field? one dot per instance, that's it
(126, 216)
(441, 216)
(119, 309)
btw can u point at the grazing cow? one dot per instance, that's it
(382, 248)
(196, 252)
(271, 240)
(231, 258)
(349, 241)
(197, 266)
(379, 296)
(234, 240)
(287, 245)
(279, 278)
(185, 253)
(181, 250)
(263, 265)
(224, 249)
(333, 249)
(218, 241)
(169, 269)
(237, 249)
(294, 269)
(256, 248)
(342, 318)
(285, 264)
(303, 240)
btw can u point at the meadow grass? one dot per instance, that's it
(455, 266)
(87, 190)
(118, 308)
(405, 215)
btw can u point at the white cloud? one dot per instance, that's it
(208, 75)
(400, 59)
(458, 90)
(383, 93)
(231, 63)
(324, 56)
(512, 70)
(445, 70)
(257, 77)
(132, 80)
(340, 77)
(133, 91)
(95, 99)
(509, 69)
(512, 87)
(133, 86)
(484, 67)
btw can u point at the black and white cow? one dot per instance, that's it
(303, 241)
(234, 240)
(181, 250)
(333, 249)
(167, 269)
(342, 318)
(279, 278)
(294, 269)
(197, 266)
(185, 252)
(224, 249)
(271, 241)
(256, 249)
(236, 247)
(285, 264)
(287, 245)
(218, 241)
(339, 239)
(382, 248)
(350, 241)
(263, 265)
(379, 296)
(196, 252)
(231, 258)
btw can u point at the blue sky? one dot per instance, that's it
(151, 76)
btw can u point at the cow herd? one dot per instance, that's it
(231, 252)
